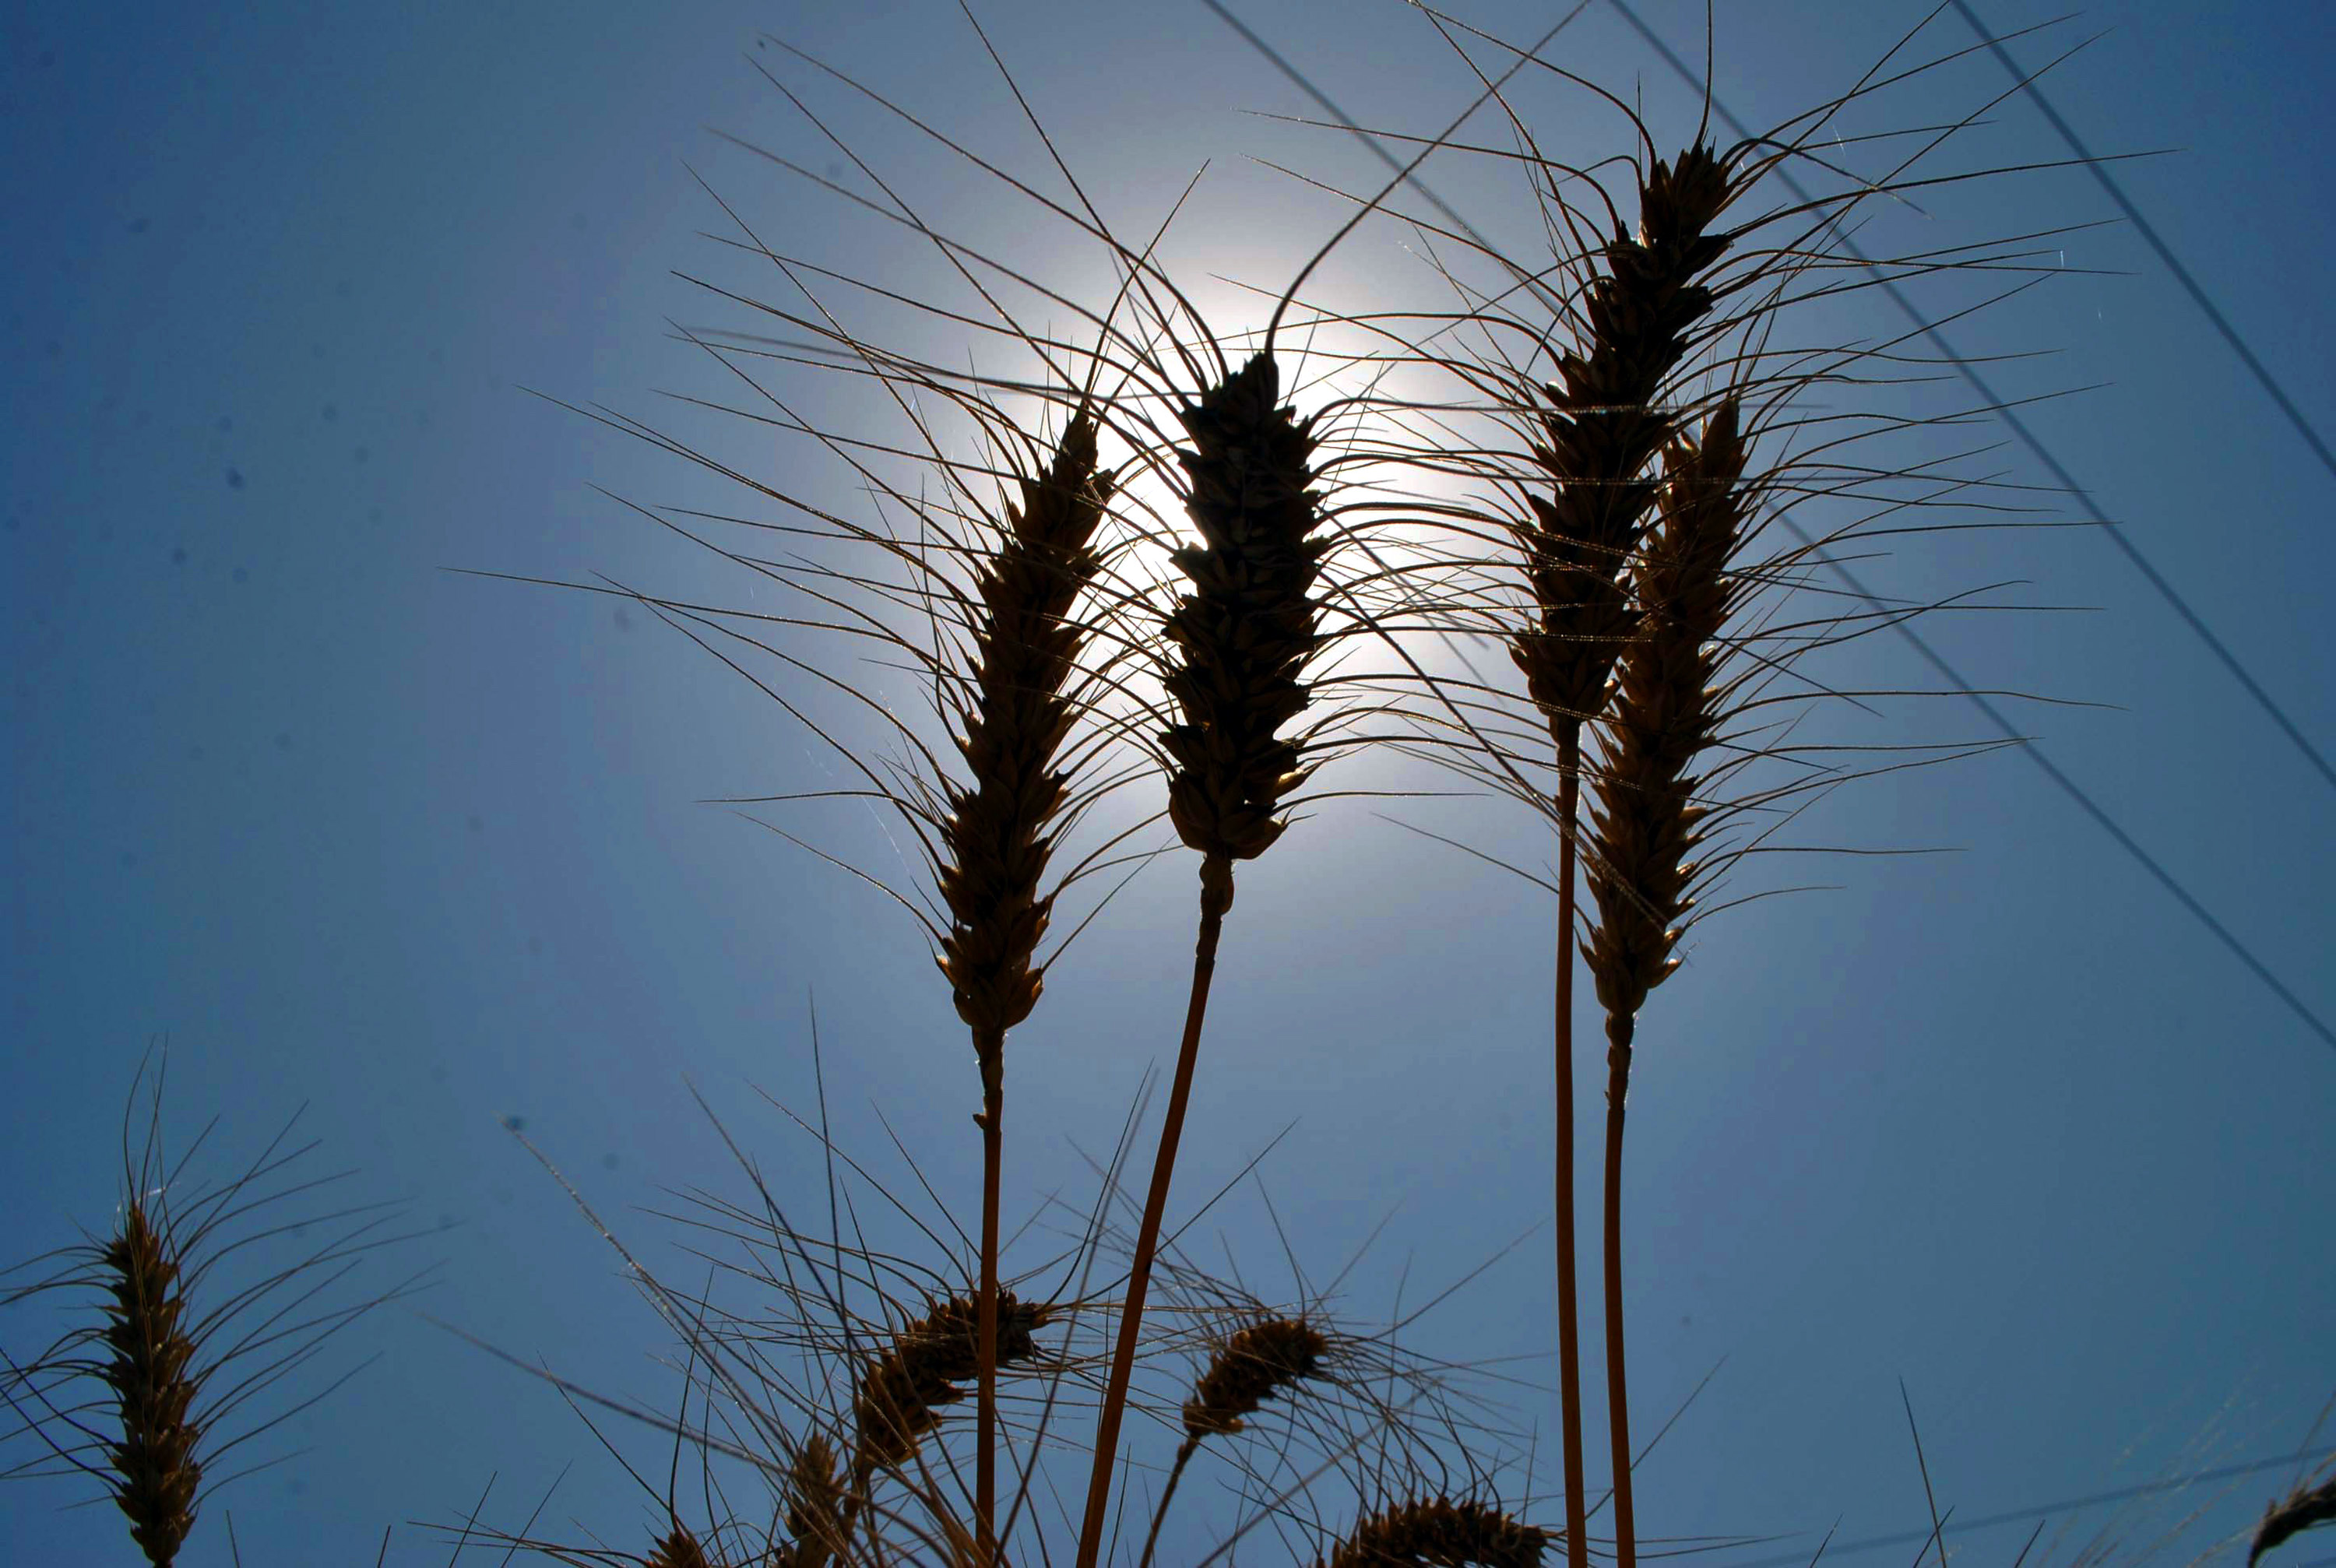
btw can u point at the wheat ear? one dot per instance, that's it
(1241, 638)
(814, 1512)
(997, 839)
(1248, 1368)
(678, 1549)
(1441, 1531)
(2301, 1510)
(1645, 825)
(149, 1368)
(904, 1387)
(1600, 427)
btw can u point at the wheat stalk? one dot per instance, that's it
(1245, 1369)
(999, 835)
(1600, 427)
(1242, 635)
(1644, 825)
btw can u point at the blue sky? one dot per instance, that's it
(422, 852)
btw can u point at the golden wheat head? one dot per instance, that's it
(1244, 632)
(1602, 427)
(1012, 725)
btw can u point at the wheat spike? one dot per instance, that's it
(814, 1498)
(1241, 636)
(1441, 1531)
(1645, 823)
(1250, 1367)
(1244, 632)
(903, 1388)
(1011, 727)
(1601, 429)
(150, 1372)
(680, 1549)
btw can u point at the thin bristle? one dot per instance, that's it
(151, 1373)
(996, 842)
(1244, 631)
(1440, 1531)
(903, 1388)
(1250, 1367)
(1601, 428)
(1645, 825)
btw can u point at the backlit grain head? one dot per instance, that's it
(1249, 1367)
(904, 1387)
(1600, 425)
(1442, 1531)
(1241, 634)
(1645, 823)
(151, 1371)
(2305, 1508)
(1012, 720)
(678, 1549)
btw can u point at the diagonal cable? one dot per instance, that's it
(2091, 808)
(2197, 293)
(2019, 426)
(2043, 1511)
(2125, 840)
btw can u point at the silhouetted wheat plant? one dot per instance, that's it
(172, 1362)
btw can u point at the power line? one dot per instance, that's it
(2198, 295)
(2041, 1511)
(2028, 748)
(2091, 808)
(2019, 426)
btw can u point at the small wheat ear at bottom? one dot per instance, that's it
(903, 1389)
(1447, 1533)
(1251, 1366)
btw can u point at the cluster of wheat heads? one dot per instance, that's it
(1141, 553)
(1151, 576)
(1154, 554)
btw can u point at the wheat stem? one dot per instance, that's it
(1185, 1451)
(1569, 1309)
(993, 1107)
(1619, 1031)
(1216, 897)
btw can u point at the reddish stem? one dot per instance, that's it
(1619, 1030)
(1216, 897)
(1569, 1314)
(993, 1101)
